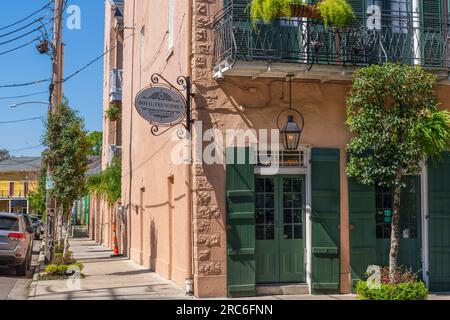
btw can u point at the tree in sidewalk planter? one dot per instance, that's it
(393, 114)
(338, 13)
(67, 154)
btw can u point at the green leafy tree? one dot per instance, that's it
(95, 139)
(393, 114)
(108, 183)
(37, 198)
(67, 154)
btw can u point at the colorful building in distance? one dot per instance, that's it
(18, 177)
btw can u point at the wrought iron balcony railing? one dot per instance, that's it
(406, 37)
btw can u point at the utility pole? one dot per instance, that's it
(55, 102)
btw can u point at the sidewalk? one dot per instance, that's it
(106, 279)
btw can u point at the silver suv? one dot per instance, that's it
(16, 241)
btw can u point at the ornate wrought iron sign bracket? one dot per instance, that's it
(163, 105)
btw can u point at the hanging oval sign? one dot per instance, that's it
(162, 105)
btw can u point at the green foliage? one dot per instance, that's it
(108, 183)
(392, 113)
(338, 13)
(95, 139)
(62, 270)
(36, 198)
(268, 10)
(433, 132)
(415, 290)
(114, 112)
(67, 153)
(61, 259)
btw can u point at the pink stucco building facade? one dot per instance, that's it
(178, 218)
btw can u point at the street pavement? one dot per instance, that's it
(13, 287)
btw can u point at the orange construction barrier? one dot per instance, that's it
(115, 243)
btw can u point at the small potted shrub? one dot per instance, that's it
(338, 13)
(268, 10)
(114, 112)
(406, 287)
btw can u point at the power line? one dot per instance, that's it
(19, 47)
(22, 28)
(24, 84)
(21, 120)
(27, 148)
(92, 62)
(26, 18)
(24, 96)
(26, 34)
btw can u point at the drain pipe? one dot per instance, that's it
(190, 256)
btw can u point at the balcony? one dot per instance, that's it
(307, 47)
(14, 194)
(116, 82)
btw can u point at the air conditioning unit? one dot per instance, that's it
(116, 83)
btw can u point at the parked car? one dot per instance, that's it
(16, 242)
(37, 227)
(30, 226)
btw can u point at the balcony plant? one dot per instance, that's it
(114, 112)
(338, 13)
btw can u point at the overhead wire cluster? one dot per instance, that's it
(31, 29)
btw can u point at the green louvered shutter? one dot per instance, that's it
(325, 185)
(240, 196)
(362, 228)
(439, 223)
(432, 35)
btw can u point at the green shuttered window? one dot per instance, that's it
(325, 194)
(240, 189)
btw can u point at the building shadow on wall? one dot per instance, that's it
(153, 245)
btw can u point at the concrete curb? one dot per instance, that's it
(38, 269)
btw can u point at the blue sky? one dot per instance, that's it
(25, 65)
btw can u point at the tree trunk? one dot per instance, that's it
(393, 255)
(60, 224)
(66, 239)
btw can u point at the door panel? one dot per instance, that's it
(439, 223)
(292, 244)
(267, 236)
(279, 218)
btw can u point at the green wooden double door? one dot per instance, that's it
(280, 229)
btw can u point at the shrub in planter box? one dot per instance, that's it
(414, 290)
(405, 287)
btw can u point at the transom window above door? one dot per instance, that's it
(284, 159)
